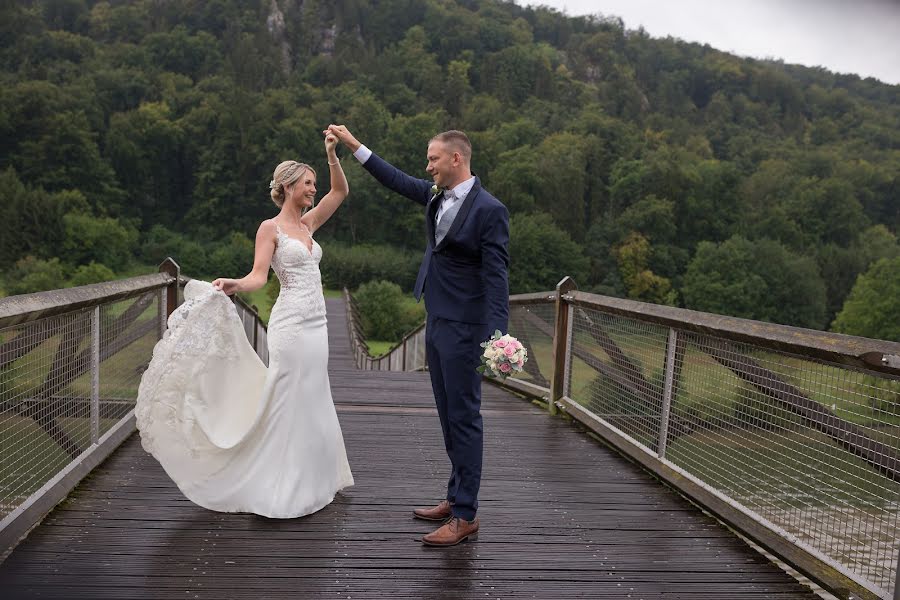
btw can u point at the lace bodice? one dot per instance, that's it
(301, 295)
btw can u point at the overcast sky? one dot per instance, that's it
(846, 36)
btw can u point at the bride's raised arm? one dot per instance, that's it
(317, 216)
(262, 260)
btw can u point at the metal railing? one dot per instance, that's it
(70, 365)
(792, 436)
(257, 333)
(406, 355)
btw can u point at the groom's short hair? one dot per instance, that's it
(458, 141)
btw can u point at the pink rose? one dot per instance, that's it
(500, 344)
(521, 362)
(509, 351)
(505, 368)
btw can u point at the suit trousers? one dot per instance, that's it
(453, 351)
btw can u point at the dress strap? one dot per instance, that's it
(278, 231)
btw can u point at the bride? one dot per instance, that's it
(232, 434)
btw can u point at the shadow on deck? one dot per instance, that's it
(562, 517)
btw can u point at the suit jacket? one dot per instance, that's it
(465, 277)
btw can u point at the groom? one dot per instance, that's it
(464, 276)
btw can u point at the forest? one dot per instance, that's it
(645, 168)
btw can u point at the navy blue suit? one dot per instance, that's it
(466, 286)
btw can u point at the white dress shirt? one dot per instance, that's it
(362, 153)
(451, 196)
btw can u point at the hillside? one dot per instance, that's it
(647, 168)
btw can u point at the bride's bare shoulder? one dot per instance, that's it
(267, 229)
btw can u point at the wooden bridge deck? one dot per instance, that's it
(562, 517)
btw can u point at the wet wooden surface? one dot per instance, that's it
(562, 517)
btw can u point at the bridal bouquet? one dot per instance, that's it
(503, 355)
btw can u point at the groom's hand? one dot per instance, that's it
(344, 135)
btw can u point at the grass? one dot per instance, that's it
(29, 457)
(120, 374)
(379, 347)
(713, 395)
(790, 469)
(710, 390)
(260, 299)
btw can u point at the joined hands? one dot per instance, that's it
(343, 134)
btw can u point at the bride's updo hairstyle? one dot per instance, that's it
(286, 174)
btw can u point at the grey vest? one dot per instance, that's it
(446, 221)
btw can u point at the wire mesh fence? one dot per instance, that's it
(69, 381)
(809, 447)
(65, 381)
(406, 355)
(533, 324)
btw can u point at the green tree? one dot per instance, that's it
(873, 307)
(174, 114)
(352, 266)
(65, 156)
(382, 312)
(233, 258)
(758, 279)
(633, 257)
(841, 266)
(180, 52)
(458, 88)
(98, 239)
(31, 220)
(32, 274)
(91, 273)
(160, 243)
(146, 149)
(517, 72)
(541, 254)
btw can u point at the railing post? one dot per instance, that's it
(561, 333)
(403, 365)
(897, 579)
(95, 375)
(667, 392)
(171, 267)
(675, 349)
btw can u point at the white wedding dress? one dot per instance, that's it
(232, 434)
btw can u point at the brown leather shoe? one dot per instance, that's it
(452, 532)
(441, 512)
